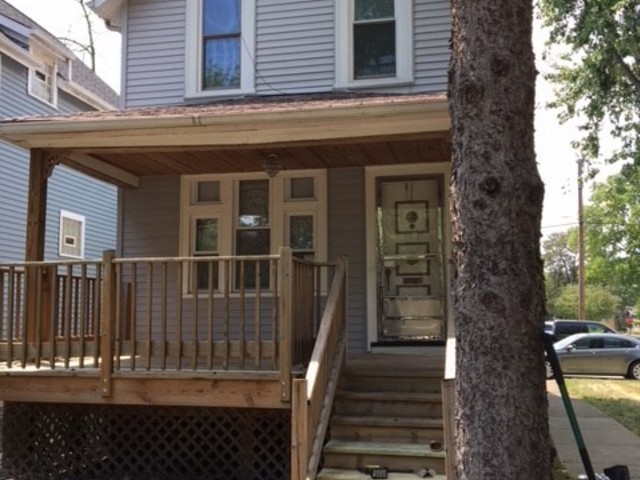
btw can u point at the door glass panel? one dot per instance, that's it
(410, 254)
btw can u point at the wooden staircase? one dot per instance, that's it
(387, 412)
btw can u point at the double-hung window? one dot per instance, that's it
(220, 47)
(374, 42)
(42, 79)
(248, 215)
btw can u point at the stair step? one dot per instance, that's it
(419, 450)
(375, 381)
(389, 404)
(408, 422)
(390, 396)
(387, 429)
(351, 474)
(394, 456)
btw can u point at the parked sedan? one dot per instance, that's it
(598, 354)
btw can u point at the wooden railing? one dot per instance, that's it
(55, 322)
(312, 396)
(201, 314)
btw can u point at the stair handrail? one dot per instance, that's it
(312, 396)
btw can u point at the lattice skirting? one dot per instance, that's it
(88, 442)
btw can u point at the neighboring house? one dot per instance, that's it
(263, 143)
(40, 76)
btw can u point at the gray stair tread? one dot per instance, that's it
(376, 448)
(390, 396)
(374, 421)
(346, 474)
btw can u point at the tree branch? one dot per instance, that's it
(626, 70)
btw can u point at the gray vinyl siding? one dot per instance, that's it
(154, 55)
(432, 32)
(295, 49)
(13, 211)
(295, 45)
(151, 218)
(67, 190)
(347, 237)
(95, 200)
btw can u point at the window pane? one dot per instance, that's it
(373, 9)
(302, 188)
(222, 63)
(208, 192)
(204, 272)
(375, 50)
(253, 242)
(301, 232)
(221, 17)
(254, 204)
(206, 235)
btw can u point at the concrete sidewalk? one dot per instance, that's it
(608, 442)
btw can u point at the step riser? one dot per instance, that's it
(389, 408)
(387, 434)
(392, 462)
(395, 384)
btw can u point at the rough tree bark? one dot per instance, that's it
(498, 304)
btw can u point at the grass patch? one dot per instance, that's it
(619, 399)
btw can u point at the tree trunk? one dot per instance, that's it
(498, 304)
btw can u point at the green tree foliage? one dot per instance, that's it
(599, 80)
(600, 303)
(560, 261)
(612, 235)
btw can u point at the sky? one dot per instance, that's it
(557, 161)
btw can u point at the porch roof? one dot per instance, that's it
(304, 131)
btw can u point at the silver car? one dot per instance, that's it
(598, 354)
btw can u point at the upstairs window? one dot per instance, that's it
(220, 47)
(374, 42)
(42, 81)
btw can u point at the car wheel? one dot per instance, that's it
(634, 370)
(548, 370)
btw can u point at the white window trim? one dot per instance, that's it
(193, 54)
(344, 47)
(280, 210)
(41, 59)
(78, 218)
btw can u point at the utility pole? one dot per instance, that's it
(581, 309)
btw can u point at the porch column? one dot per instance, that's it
(39, 171)
(37, 206)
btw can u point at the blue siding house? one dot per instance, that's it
(277, 304)
(39, 76)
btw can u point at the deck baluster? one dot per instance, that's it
(108, 322)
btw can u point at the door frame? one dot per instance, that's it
(372, 173)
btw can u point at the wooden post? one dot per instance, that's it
(35, 238)
(108, 322)
(448, 406)
(299, 430)
(286, 311)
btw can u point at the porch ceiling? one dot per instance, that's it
(328, 131)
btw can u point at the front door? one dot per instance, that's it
(410, 280)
